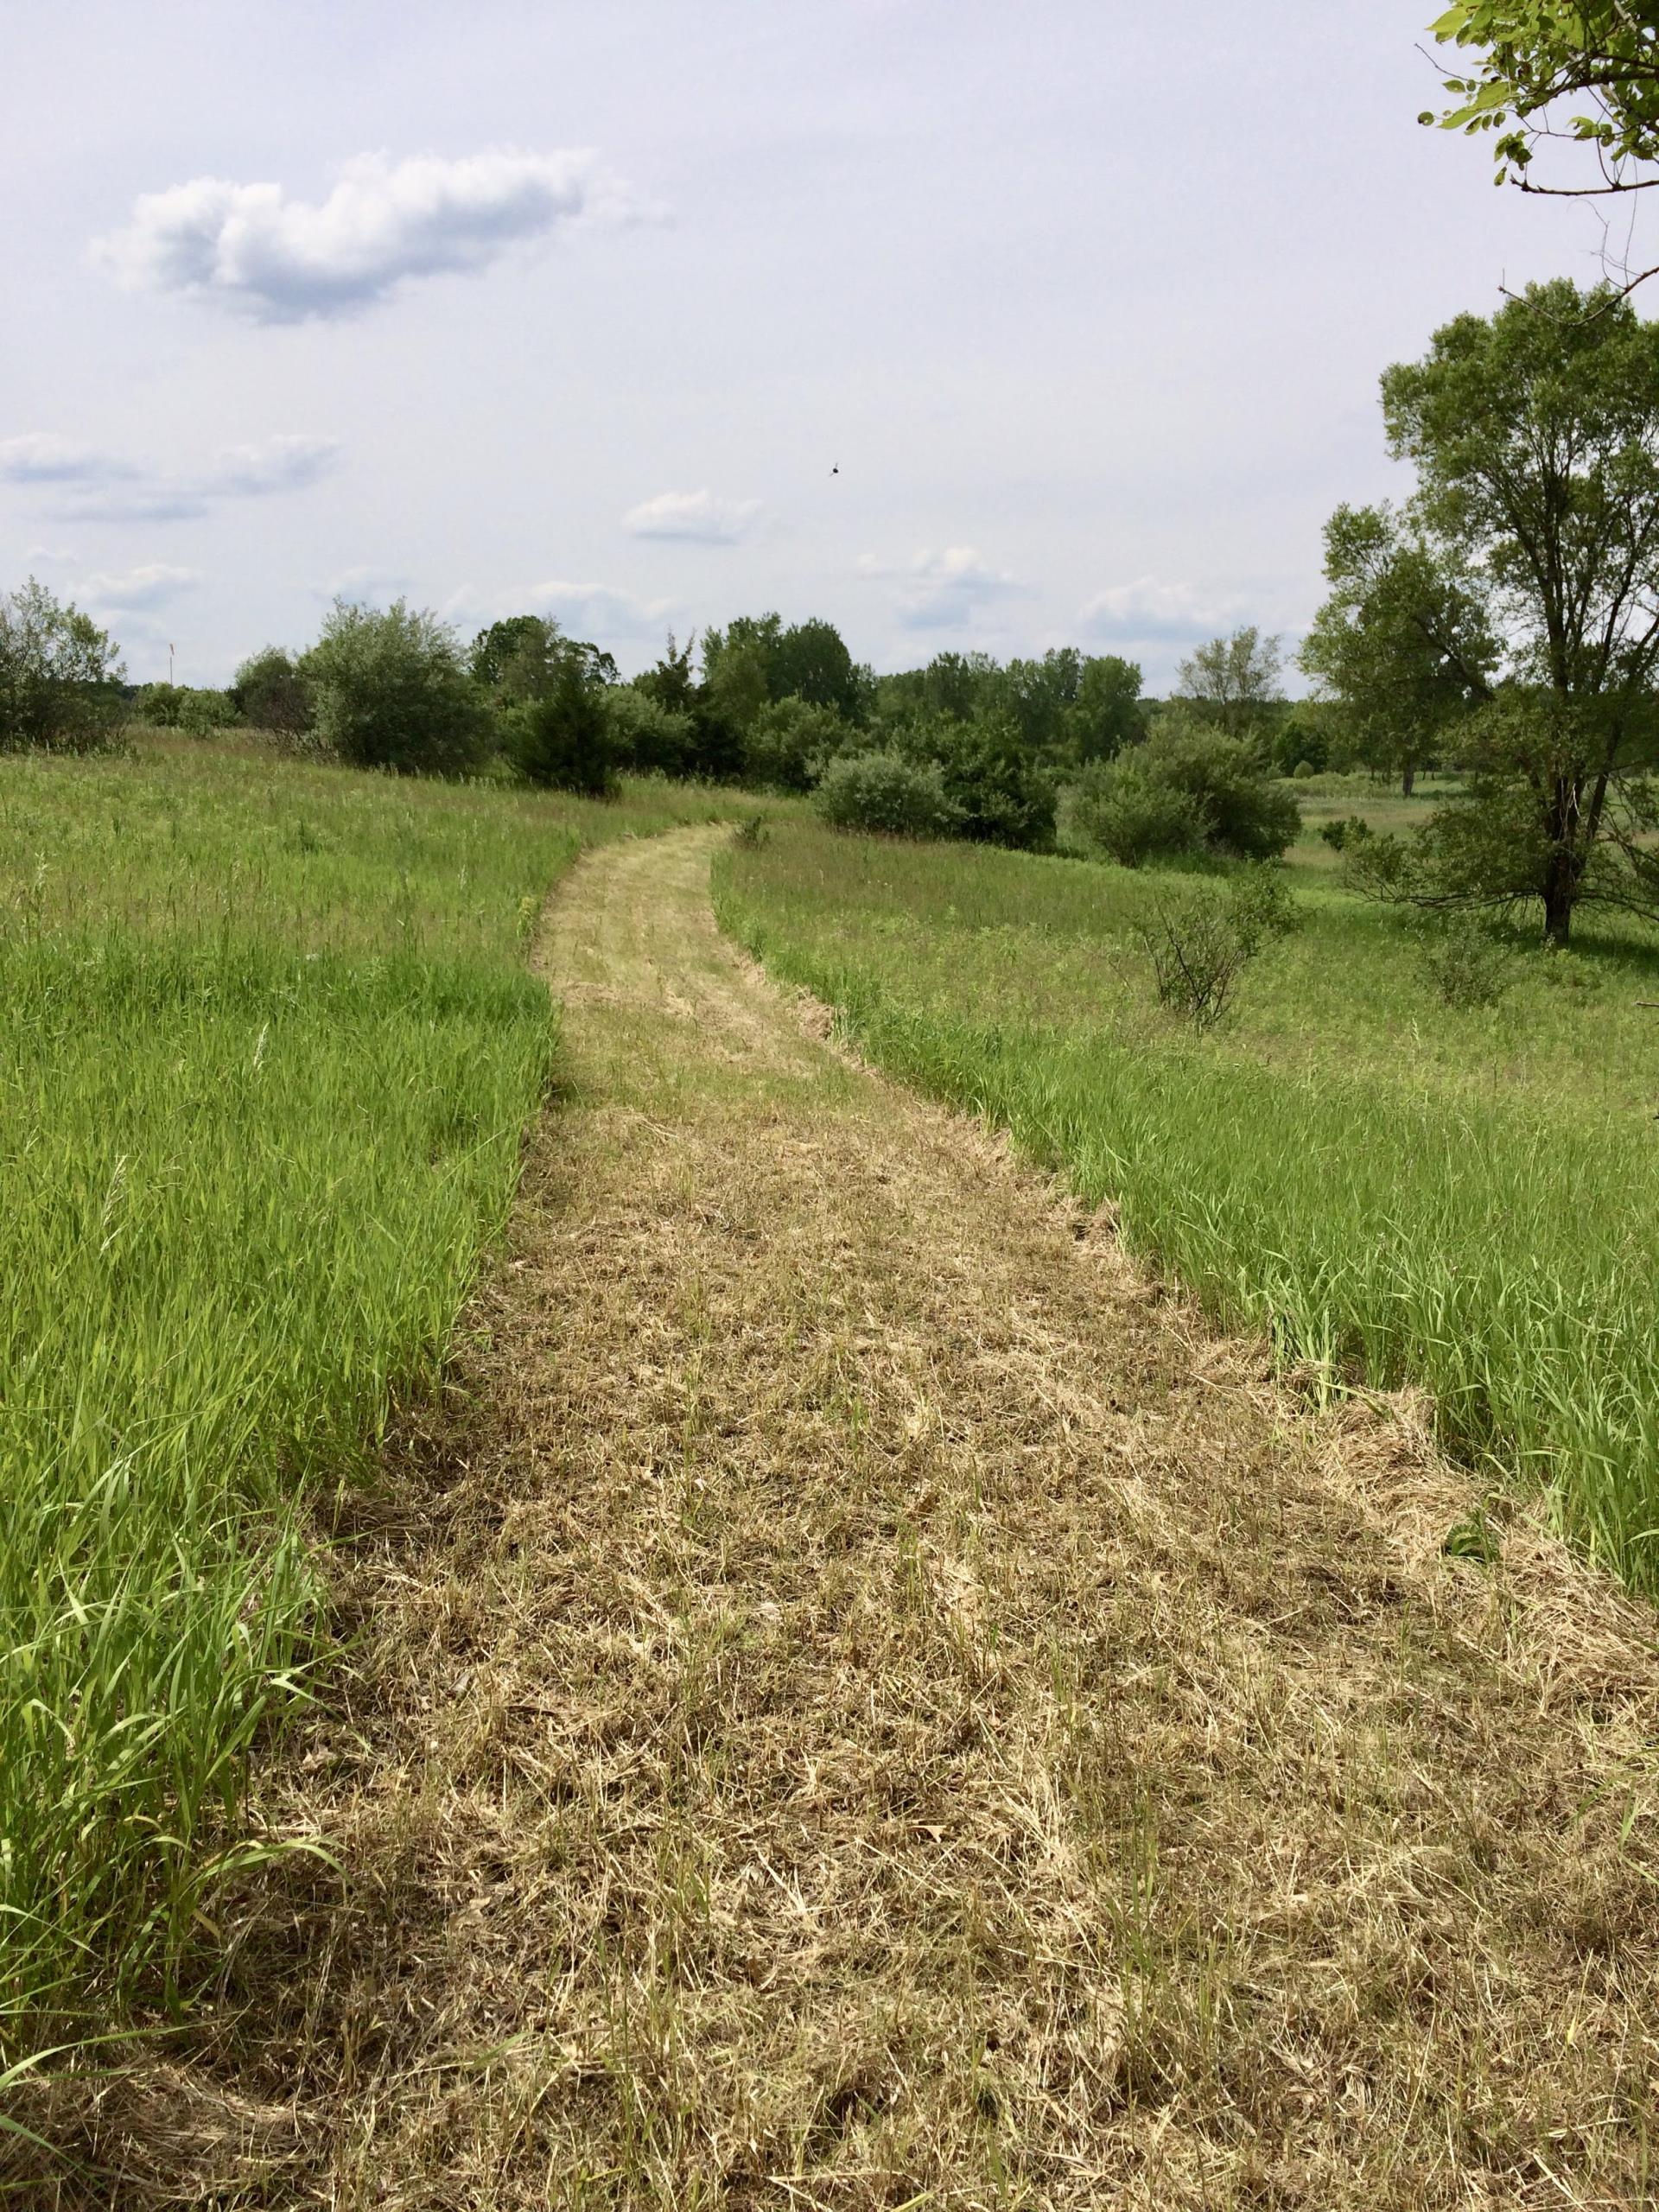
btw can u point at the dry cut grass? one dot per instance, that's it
(862, 1703)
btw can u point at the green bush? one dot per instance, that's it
(886, 793)
(1262, 903)
(392, 691)
(59, 675)
(563, 739)
(1198, 951)
(1343, 836)
(160, 706)
(1463, 964)
(201, 712)
(272, 692)
(1001, 793)
(1189, 788)
(1120, 811)
(648, 737)
(790, 743)
(183, 706)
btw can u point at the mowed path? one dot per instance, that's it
(863, 1704)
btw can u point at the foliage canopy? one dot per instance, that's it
(392, 691)
(1533, 54)
(58, 675)
(1522, 585)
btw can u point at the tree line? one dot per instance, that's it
(967, 745)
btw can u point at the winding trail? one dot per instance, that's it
(863, 1703)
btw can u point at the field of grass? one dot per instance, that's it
(267, 1051)
(1391, 1190)
(1383, 805)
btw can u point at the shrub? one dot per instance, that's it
(201, 713)
(886, 793)
(160, 706)
(272, 692)
(1343, 836)
(1466, 966)
(563, 740)
(181, 706)
(1198, 952)
(1262, 905)
(1002, 795)
(647, 736)
(1190, 787)
(1131, 816)
(1200, 945)
(790, 743)
(59, 675)
(392, 691)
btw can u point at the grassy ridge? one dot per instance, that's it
(267, 1050)
(1388, 1188)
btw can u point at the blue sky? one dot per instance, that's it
(526, 305)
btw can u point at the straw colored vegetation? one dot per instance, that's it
(859, 1701)
(268, 1047)
(1391, 1189)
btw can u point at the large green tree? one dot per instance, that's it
(392, 691)
(756, 659)
(1586, 71)
(1535, 433)
(1106, 716)
(1404, 645)
(1233, 679)
(59, 674)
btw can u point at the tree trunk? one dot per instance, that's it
(1560, 895)
(1408, 778)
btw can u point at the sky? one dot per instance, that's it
(960, 325)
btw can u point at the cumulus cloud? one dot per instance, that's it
(279, 464)
(698, 516)
(154, 584)
(1148, 612)
(41, 457)
(86, 484)
(944, 590)
(598, 612)
(255, 250)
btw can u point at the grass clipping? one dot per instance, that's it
(863, 1704)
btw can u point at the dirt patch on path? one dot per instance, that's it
(860, 1705)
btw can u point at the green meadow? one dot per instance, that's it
(1394, 1190)
(268, 1047)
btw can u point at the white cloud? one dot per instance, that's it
(252, 248)
(86, 484)
(944, 590)
(41, 457)
(152, 585)
(596, 611)
(1148, 612)
(278, 464)
(697, 516)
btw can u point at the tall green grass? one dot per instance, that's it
(268, 1048)
(1391, 1190)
